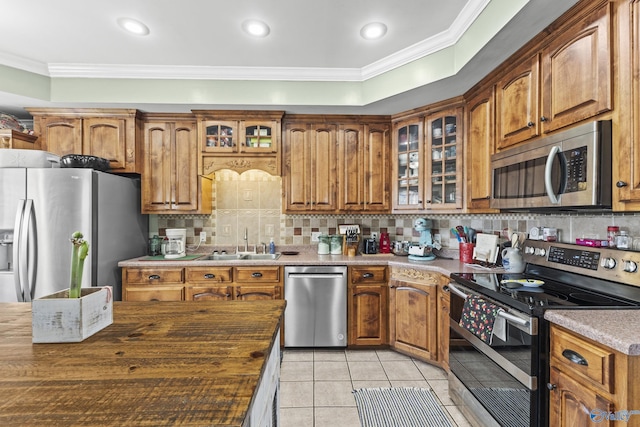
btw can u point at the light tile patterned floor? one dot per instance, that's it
(316, 385)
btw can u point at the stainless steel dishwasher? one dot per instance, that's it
(316, 313)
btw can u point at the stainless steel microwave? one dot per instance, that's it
(568, 170)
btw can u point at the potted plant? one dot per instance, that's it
(73, 314)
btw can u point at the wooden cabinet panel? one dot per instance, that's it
(170, 182)
(368, 315)
(209, 275)
(153, 293)
(310, 167)
(257, 274)
(10, 138)
(368, 306)
(581, 359)
(413, 323)
(577, 72)
(571, 404)
(208, 293)
(254, 292)
(351, 167)
(480, 147)
(107, 138)
(376, 168)
(59, 135)
(517, 104)
(152, 276)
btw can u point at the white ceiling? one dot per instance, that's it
(308, 39)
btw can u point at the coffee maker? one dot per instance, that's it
(175, 244)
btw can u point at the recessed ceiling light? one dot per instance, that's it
(373, 31)
(134, 27)
(256, 28)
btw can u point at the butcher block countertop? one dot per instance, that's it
(159, 363)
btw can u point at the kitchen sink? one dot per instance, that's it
(241, 257)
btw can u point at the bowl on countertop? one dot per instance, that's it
(84, 161)
(400, 248)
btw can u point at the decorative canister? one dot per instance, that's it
(324, 244)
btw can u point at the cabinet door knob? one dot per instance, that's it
(621, 184)
(543, 119)
(209, 276)
(551, 387)
(256, 274)
(367, 275)
(154, 277)
(530, 124)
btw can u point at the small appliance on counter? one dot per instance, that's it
(370, 246)
(174, 246)
(385, 243)
(423, 251)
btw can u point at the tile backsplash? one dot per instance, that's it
(253, 200)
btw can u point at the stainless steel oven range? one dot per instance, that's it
(503, 381)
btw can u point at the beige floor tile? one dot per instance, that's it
(333, 393)
(297, 356)
(296, 371)
(361, 356)
(441, 389)
(296, 394)
(367, 371)
(329, 356)
(336, 417)
(296, 417)
(430, 372)
(331, 371)
(370, 384)
(385, 355)
(410, 383)
(401, 370)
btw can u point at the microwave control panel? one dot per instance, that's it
(576, 160)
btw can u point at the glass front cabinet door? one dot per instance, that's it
(220, 137)
(443, 151)
(408, 158)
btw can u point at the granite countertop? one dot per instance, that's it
(617, 329)
(308, 256)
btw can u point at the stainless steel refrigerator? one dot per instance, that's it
(39, 211)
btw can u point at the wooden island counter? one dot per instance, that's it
(159, 363)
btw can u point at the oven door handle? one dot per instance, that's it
(510, 317)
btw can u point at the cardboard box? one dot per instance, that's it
(57, 318)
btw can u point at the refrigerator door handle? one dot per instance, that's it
(24, 281)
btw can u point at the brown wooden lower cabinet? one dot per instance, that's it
(589, 382)
(414, 315)
(368, 306)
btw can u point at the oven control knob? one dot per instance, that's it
(608, 263)
(540, 252)
(630, 266)
(528, 250)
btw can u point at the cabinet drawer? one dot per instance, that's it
(581, 358)
(153, 293)
(149, 276)
(208, 274)
(371, 274)
(257, 274)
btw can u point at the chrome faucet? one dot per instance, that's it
(246, 240)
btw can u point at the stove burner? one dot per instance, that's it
(584, 297)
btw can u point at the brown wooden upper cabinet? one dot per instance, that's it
(108, 133)
(567, 81)
(479, 148)
(310, 167)
(427, 156)
(170, 180)
(332, 164)
(239, 140)
(363, 165)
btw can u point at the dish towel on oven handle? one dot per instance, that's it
(480, 317)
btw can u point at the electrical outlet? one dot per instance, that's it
(315, 236)
(374, 236)
(203, 236)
